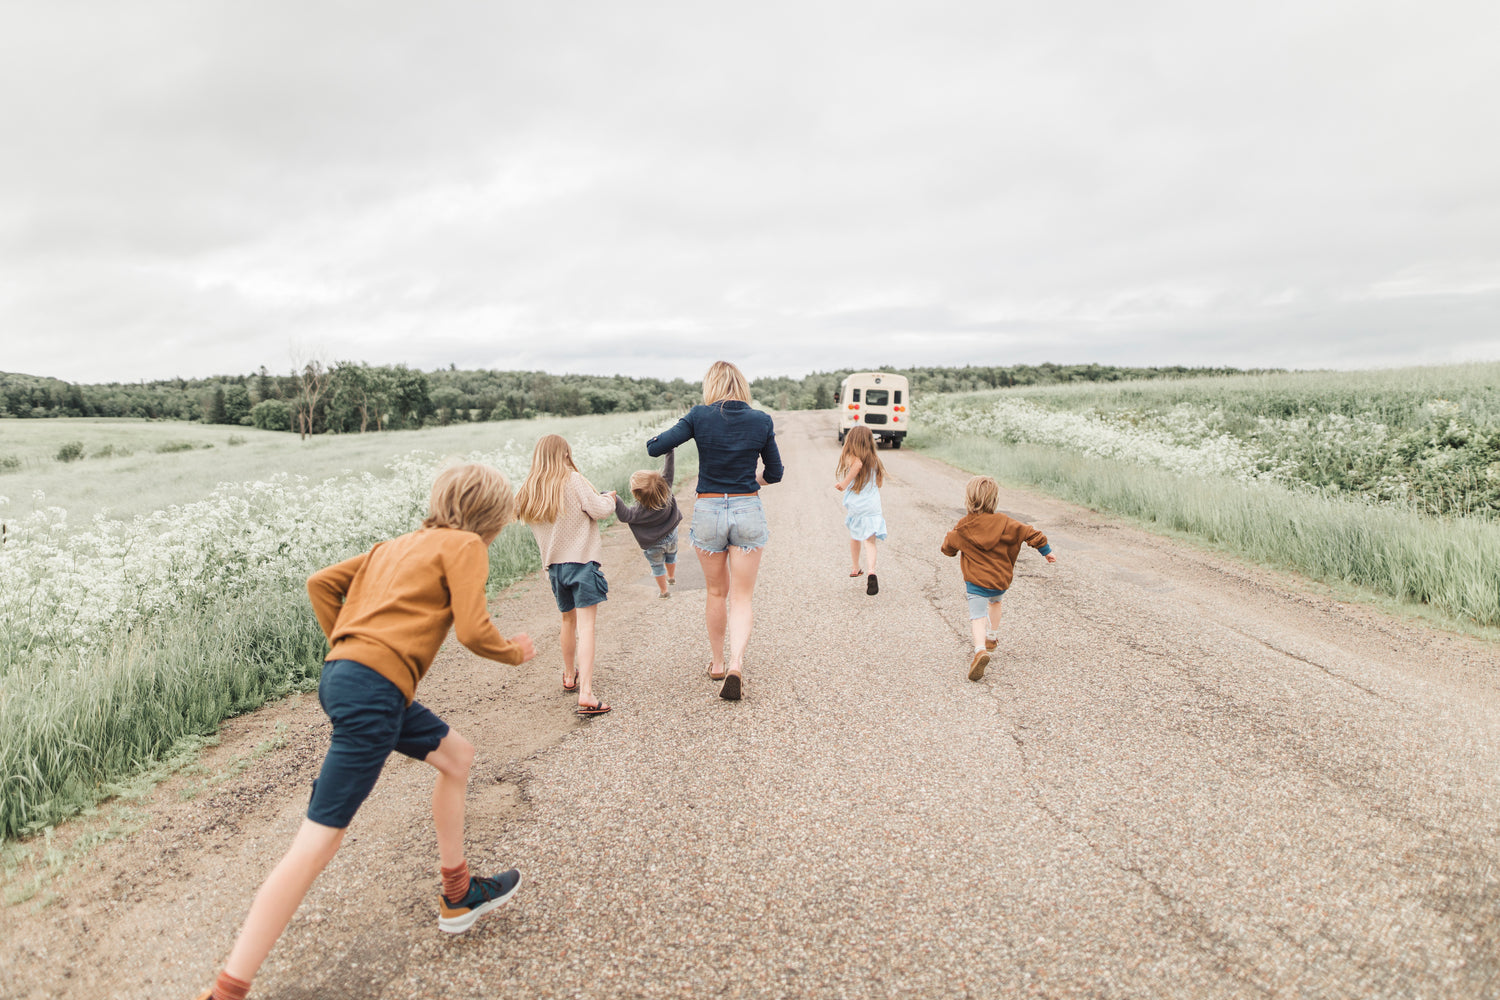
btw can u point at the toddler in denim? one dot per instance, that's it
(987, 544)
(654, 520)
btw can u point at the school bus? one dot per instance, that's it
(879, 400)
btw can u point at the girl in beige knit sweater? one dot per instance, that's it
(563, 509)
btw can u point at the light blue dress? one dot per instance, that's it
(862, 513)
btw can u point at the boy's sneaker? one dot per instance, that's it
(484, 895)
(977, 665)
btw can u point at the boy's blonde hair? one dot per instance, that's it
(470, 497)
(724, 381)
(860, 443)
(982, 495)
(540, 498)
(650, 489)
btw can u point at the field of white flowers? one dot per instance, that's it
(121, 638)
(1384, 480)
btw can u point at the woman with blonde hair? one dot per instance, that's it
(563, 508)
(734, 441)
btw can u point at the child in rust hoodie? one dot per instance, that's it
(987, 543)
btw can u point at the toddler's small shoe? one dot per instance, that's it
(484, 895)
(665, 593)
(990, 644)
(977, 665)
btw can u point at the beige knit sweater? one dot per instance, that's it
(574, 536)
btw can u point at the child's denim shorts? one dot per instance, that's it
(370, 719)
(662, 554)
(577, 585)
(719, 522)
(980, 599)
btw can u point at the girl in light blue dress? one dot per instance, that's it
(861, 476)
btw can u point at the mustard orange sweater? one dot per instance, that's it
(390, 608)
(987, 546)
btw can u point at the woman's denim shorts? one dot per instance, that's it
(719, 522)
(577, 585)
(371, 719)
(980, 599)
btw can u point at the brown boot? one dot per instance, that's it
(977, 665)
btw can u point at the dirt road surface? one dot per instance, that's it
(1181, 778)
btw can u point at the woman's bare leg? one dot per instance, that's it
(743, 567)
(716, 582)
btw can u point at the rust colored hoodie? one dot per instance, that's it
(987, 546)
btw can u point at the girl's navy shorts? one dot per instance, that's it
(370, 719)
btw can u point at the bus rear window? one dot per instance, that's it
(877, 397)
(856, 395)
(897, 400)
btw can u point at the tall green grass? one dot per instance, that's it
(1452, 564)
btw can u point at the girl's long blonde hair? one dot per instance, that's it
(859, 443)
(540, 498)
(724, 381)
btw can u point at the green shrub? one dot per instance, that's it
(168, 447)
(105, 452)
(235, 439)
(271, 415)
(71, 451)
(10, 463)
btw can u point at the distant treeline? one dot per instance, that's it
(348, 397)
(821, 389)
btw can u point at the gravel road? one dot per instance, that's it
(1180, 778)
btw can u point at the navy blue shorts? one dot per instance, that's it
(370, 719)
(577, 585)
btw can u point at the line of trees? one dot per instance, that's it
(820, 390)
(350, 397)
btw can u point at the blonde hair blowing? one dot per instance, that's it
(724, 381)
(540, 498)
(982, 495)
(859, 443)
(650, 489)
(470, 497)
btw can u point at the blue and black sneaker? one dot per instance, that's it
(484, 895)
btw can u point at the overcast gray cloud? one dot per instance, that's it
(199, 187)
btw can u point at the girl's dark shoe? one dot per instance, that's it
(872, 587)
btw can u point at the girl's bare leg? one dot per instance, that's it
(586, 618)
(743, 567)
(716, 613)
(853, 557)
(452, 758)
(870, 554)
(280, 895)
(570, 645)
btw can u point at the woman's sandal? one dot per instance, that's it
(858, 572)
(731, 689)
(570, 690)
(598, 709)
(713, 676)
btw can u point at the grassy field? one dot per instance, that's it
(123, 641)
(1387, 481)
(135, 467)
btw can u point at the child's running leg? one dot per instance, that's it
(570, 647)
(311, 850)
(977, 626)
(854, 544)
(992, 637)
(452, 758)
(869, 544)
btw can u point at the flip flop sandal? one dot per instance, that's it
(570, 690)
(598, 709)
(716, 678)
(731, 689)
(859, 573)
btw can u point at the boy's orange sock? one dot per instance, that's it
(456, 881)
(226, 987)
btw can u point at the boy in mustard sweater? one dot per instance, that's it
(385, 613)
(987, 543)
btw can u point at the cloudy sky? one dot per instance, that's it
(199, 187)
